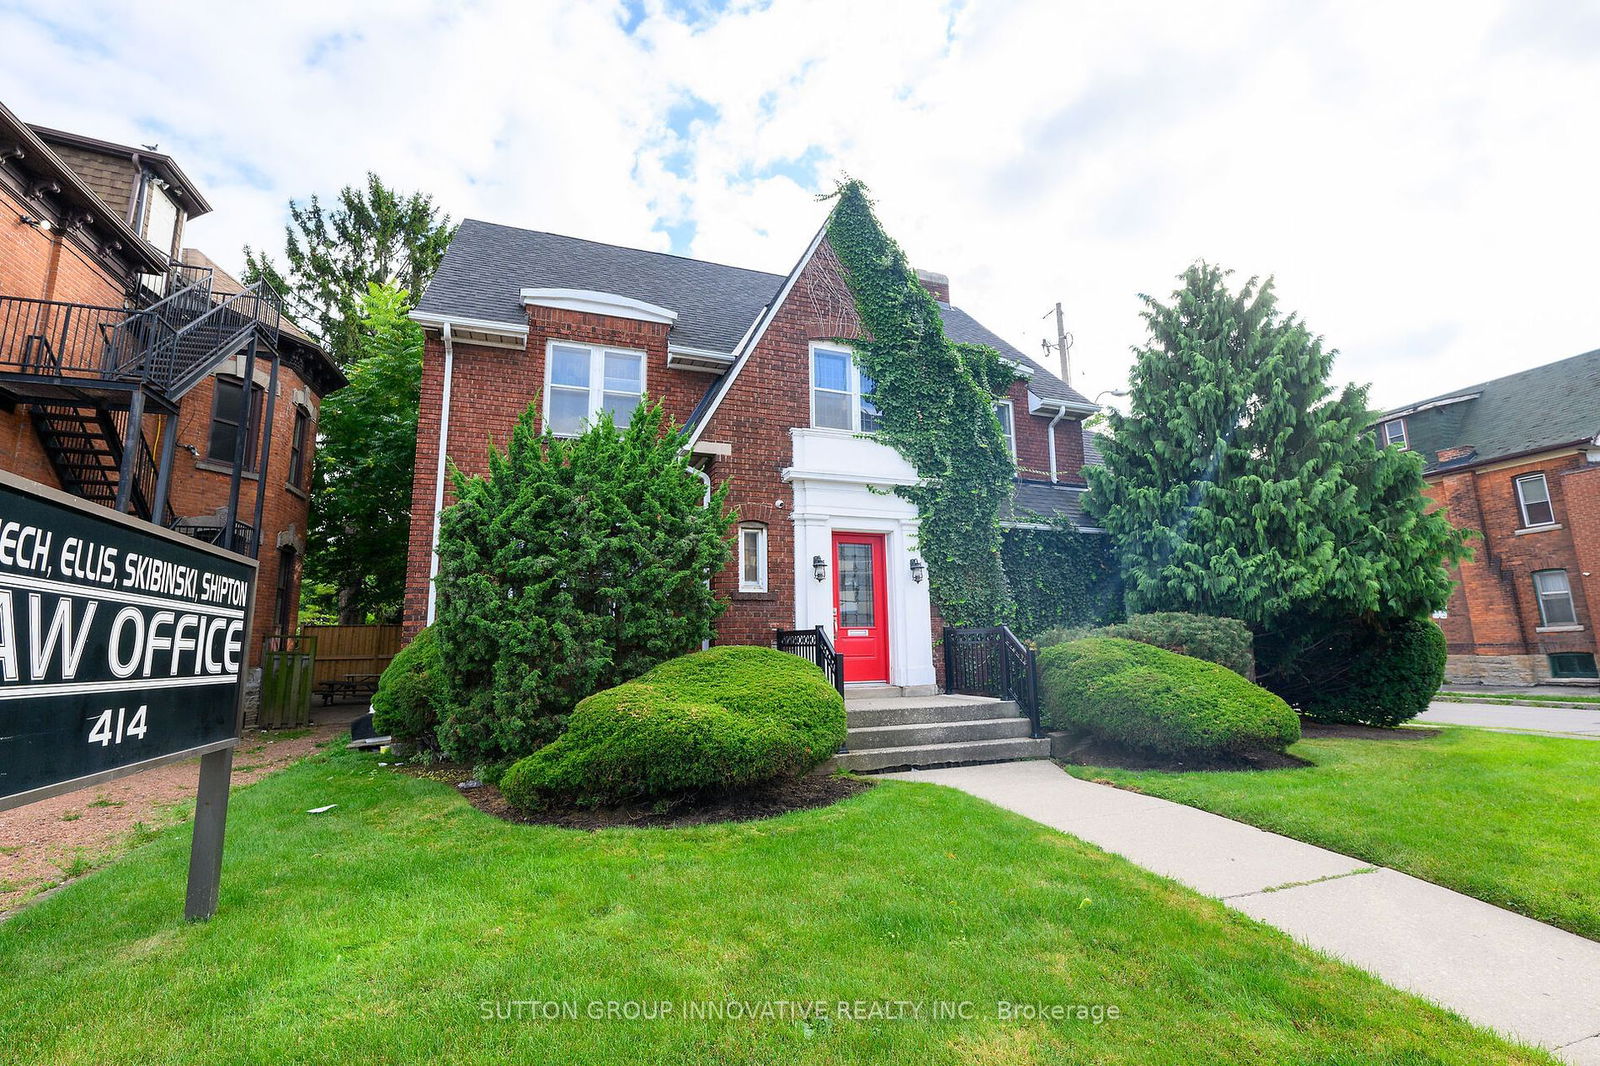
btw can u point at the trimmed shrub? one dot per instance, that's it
(1146, 697)
(720, 719)
(1377, 675)
(1224, 641)
(411, 693)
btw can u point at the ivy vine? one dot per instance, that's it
(935, 402)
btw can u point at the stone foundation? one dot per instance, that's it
(1495, 669)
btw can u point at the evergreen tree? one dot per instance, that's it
(1242, 484)
(575, 565)
(360, 523)
(332, 254)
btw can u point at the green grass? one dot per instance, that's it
(1514, 698)
(1513, 820)
(388, 928)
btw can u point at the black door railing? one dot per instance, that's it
(993, 661)
(813, 645)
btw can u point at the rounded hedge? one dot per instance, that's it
(411, 693)
(1225, 641)
(1146, 697)
(720, 719)
(1379, 676)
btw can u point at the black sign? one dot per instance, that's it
(121, 644)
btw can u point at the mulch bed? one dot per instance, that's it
(1089, 751)
(748, 805)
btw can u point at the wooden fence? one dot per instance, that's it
(343, 650)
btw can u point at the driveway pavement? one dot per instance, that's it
(1565, 721)
(1531, 981)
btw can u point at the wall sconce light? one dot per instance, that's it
(819, 569)
(918, 569)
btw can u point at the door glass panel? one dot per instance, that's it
(856, 606)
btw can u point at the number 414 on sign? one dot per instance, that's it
(113, 726)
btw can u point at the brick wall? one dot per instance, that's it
(40, 265)
(1493, 615)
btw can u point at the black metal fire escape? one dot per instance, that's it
(98, 382)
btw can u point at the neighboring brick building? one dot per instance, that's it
(1518, 460)
(752, 364)
(122, 364)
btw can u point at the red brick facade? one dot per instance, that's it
(1493, 624)
(491, 387)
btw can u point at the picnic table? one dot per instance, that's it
(350, 685)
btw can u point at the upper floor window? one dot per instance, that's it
(1394, 432)
(299, 447)
(841, 395)
(1555, 598)
(753, 557)
(1533, 497)
(227, 411)
(1008, 426)
(585, 380)
(161, 219)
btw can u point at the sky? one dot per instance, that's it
(1419, 178)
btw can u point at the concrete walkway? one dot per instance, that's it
(1511, 718)
(1533, 982)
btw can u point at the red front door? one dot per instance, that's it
(860, 607)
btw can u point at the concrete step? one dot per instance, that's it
(870, 760)
(918, 735)
(868, 713)
(858, 691)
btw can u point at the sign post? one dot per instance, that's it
(122, 647)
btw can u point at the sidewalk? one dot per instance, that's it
(1531, 981)
(1561, 721)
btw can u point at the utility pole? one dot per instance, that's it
(1063, 344)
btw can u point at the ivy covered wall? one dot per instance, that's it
(1060, 577)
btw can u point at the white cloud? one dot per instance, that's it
(1419, 178)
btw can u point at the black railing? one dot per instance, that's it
(55, 339)
(211, 531)
(993, 661)
(814, 646)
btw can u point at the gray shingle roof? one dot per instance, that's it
(1546, 407)
(487, 266)
(1035, 500)
(964, 329)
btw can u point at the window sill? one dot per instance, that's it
(224, 468)
(1559, 629)
(754, 597)
(297, 490)
(1546, 528)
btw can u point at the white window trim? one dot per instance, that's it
(1405, 437)
(1545, 624)
(760, 584)
(1522, 504)
(1011, 437)
(597, 377)
(855, 387)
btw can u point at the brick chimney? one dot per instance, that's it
(936, 283)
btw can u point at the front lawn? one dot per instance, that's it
(396, 926)
(1513, 820)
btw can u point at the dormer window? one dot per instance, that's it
(584, 380)
(1393, 432)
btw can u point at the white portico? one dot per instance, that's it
(871, 598)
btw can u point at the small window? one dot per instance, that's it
(1555, 598)
(1573, 664)
(1533, 496)
(1394, 432)
(585, 380)
(1008, 427)
(227, 395)
(841, 394)
(299, 446)
(283, 607)
(753, 558)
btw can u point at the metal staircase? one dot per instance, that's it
(93, 377)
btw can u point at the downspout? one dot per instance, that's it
(704, 502)
(438, 474)
(1060, 414)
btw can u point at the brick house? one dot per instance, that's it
(124, 358)
(758, 367)
(1518, 460)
